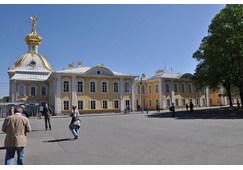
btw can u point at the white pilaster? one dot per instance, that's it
(122, 94)
(207, 97)
(58, 89)
(162, 93)
(74, 91)
(172, 91)
(134, 107)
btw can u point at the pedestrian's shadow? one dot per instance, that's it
(218, 113)
(59, 140)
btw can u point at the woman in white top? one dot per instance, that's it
(75, 122)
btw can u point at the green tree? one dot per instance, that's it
(220, 54)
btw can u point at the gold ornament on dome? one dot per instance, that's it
(33, 38)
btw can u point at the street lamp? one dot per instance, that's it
(141, 91)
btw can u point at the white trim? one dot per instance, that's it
(156, 84)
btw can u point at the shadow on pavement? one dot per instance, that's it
(2, 148)
(219, 113)
(59, 140)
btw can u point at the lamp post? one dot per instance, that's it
(141, 91)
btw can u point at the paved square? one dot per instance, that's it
(152, 139)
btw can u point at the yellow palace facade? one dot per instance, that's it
(92, 89)
(164, 88)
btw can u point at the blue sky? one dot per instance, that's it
(132, 39)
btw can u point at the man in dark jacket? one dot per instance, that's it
(47, 112)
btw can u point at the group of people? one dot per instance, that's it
(17, 125)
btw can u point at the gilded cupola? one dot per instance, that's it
(33, 39)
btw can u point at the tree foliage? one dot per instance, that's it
(220, 54)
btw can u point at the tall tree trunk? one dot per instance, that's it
(227, 86)
(241, 93)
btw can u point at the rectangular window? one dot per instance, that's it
(21, 90)
(104, 104)
(80, 87)
(92, 104)
(183, 102)
(115, 86)
(66, 105)
(138, 89)
(168, 102)
(190, 88)
(149, 89)
(104, 87)
(80, 105)
(156, 88)
(127, 89)
(183, 88)
(65, 86)
(176, 102)
(43, 91)
(33, 91)
(92, 87)
(175, 88)
(116, 104)
(150, 103)
(167, 88)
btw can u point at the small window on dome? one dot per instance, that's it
(32, 63)
(98, 72)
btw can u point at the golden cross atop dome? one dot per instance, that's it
(34, 19)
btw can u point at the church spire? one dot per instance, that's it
(33, 39)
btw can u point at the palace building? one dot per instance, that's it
(92, 89)
(164, 88)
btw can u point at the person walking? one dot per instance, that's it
(75, 122)
(191, 106)
(25, 113)
(15, 126)
(173, 110)
(47, 112)
(187, 107)
(147, 109)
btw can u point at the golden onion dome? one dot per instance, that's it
(33, 39)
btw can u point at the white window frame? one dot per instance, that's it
(190, 88)
(95, 86)
(107, 103)
(156, 88)
(92, 100)
(167, 88)
(176, 88)
(63, 104)
(118, 89)
(114, 105)
(33, 85)
(127, 88)
(19, 90)
(69, 84)
(82, 104)
(149, 89)
(107, 86)
(183, 88)
(83, 85)
(43, 86)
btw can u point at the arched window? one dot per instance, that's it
(116, 86)
(104, 86)
(127, 86)
(33, 90)
(43, 90)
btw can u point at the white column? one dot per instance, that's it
(162, 93)
(74, 90)
(122, 94)
(58, 89)
(134, 107)
(13, 90)
(172, 92)
(207, 97)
